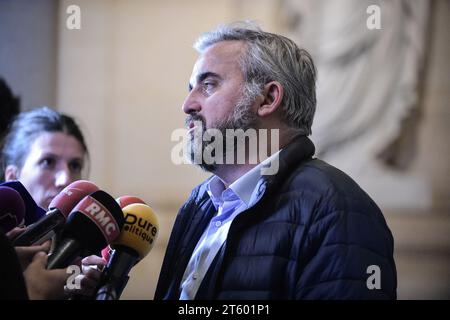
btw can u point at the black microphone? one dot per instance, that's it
(55, 218)
(134, 243)
(95, 222)
(12, 209)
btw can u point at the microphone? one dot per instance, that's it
(55, 218)
(12, 209)
(32, 211)
(134, 243)
(106, 253)
(123, 201)
(94, 222)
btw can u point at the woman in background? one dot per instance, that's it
(45, 151)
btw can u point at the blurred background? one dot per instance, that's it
(383, 103)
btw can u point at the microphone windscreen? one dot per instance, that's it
(32, 211)
(12, 208)
(140, 229)
(68, 198)
(95, 222)
(123, 201)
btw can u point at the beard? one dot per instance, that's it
(242, 118)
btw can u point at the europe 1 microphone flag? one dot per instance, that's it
(133, 244)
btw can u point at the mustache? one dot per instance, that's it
(194, 117)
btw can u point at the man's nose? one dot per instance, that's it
(191, 103)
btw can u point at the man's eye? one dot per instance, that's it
(208, 86)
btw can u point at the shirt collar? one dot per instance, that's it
(243, 187)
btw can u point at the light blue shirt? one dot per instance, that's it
(229, 202)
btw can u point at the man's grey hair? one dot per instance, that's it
(272, 57)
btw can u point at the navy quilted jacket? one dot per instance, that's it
(315, 234)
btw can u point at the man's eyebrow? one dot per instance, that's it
(203, 76)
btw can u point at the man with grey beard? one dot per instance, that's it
(304, 230)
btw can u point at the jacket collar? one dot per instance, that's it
(298, 150)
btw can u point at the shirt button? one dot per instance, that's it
(218, 224)
(195, 276)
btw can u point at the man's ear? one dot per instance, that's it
(272, 97)
(11, 173)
